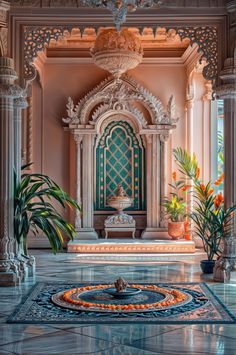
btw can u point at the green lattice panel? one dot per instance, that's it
(120, 160)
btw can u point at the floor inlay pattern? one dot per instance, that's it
(115, 339)
(88, 303)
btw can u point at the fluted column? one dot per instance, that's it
(87, 231)
(8, 92)
(153, 187)
(19, 104)
(206, 132)
(164, 183)
(227, 91)
(78, 140)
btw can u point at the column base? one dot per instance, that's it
(27, 266)
(155, 233)
(86, 233)
(9, 279)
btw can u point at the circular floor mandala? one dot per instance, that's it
(94, 298)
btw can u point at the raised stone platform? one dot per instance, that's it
(131, 246)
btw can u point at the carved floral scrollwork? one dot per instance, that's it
(72, 112)
(36, 39)
(206, 39)
(111, 95)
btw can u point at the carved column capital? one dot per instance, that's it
(78, 138)
(228, 76)
(20, 102)
(164, 137)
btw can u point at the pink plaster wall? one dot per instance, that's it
(53, 145)
(61, 81)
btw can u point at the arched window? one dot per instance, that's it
(120, 159)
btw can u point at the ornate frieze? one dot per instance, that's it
(79, 3)
(37, 38)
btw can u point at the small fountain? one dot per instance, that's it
(121, 221)
(122, 289)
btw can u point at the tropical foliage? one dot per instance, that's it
(36, 209)
(175, 205)
(211, 220)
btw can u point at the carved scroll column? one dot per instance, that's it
(164, 185)
(78, 140)
(153, 186)
(8, 93)
(87, 231)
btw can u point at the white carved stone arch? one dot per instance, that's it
(110, 93)
(110, 116)
(115, 100)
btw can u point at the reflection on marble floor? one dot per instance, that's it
(115, 339)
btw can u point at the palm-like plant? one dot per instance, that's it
(35, 210)
(212, 221)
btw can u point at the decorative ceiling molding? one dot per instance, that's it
(36, 38)
(79, 3)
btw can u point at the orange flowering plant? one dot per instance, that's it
(211, 220)
(175, 205)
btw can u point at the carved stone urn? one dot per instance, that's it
(117, 52)
(120, 201)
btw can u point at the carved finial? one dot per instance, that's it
(171, 107)
(120, 190)
(72, 112)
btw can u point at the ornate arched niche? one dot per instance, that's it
(120, 159)
(121, 131)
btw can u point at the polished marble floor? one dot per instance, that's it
(115, 339)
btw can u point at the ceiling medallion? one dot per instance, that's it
(117, 52)
(120, 8)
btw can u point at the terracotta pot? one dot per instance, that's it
(176, 229)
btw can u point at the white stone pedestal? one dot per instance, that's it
(155, 233)
(87, 233)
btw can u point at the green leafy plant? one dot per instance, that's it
(35, 210)
(175, 205)
(211, 220)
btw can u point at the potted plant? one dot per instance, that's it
(176, 209)
(35, 210)
(212, 222)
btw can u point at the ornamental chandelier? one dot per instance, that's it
(119, 8)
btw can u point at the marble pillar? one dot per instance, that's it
(227, 91)
(164, 184)
(9, 274)
(78, 140)
(153, 176)
(87, 230)
(19, 104)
